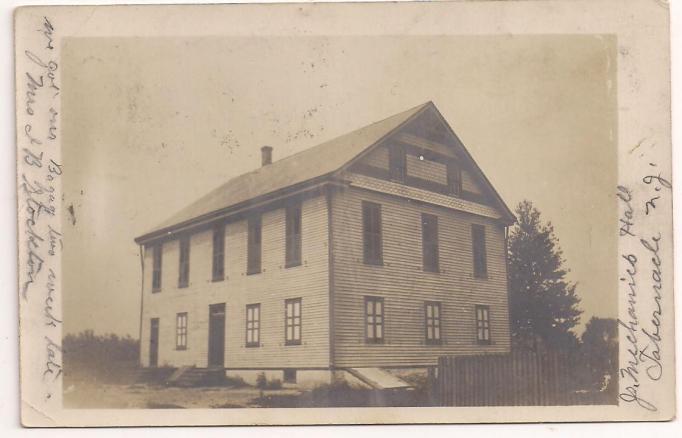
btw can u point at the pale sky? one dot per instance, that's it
(150, 125)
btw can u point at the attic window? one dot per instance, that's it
(397, 164)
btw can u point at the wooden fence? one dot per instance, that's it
(515, 379)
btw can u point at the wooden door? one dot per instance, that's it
(154, 343)
(216, 335)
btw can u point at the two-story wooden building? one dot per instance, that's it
(383, 248)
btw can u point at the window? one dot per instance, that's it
(156, 268)
(478, 240)
(483, 324)
(289, 375)
(374, 317)
(454, 179)
(293, 236)
(219, 253)
(253, 325)
(430, 242)
(371, 227)
(181, 331)
(292, 318)
(396, 162)
(254, 246)
(432, 318)
(183, 278)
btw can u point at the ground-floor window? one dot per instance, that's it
(483, 324)
(432, 315)
(181, 331)
(374, 320)
(253, 325)
(292, 318)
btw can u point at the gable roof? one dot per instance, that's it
(298, 168)
(303, 167)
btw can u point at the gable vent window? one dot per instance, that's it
(293, 236)
(371, 229)
(183, 278)
(254, 246)
(454, 179)
(219, 253)
(397, 164)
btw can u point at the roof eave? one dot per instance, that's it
(240, 207)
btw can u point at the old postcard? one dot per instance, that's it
(432, 212)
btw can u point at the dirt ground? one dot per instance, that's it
(89, 395)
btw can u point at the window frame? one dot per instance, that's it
(479, 251)
(218, 266)
(371, 327)
(430, 247)
(254, 250)
(436, 322)
(181, 330)
(183, 261)
(253, 325)
(292, 239)
(292, 319)
(372, 240)
(483, 334)
(157, 265)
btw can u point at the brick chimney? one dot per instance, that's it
(266, 155)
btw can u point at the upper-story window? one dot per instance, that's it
(183, 277)
(254, 246)
(156, 267)
(293, 235)
(396, 163)
(479, 251)
(430, 242)
(219, 253)
(371, 229)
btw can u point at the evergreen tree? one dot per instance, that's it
(600, 352)
(543, 305)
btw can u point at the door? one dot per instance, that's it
(154, 343)
(216, 335)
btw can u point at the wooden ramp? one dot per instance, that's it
(378, 378)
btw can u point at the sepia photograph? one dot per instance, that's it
(311, 220)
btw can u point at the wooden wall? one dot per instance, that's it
(405, 286)
(310, 281)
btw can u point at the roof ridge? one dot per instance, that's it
(322, 159)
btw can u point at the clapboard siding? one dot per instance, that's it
(404, 285)
(270, 288)
(427, 169)
(469, 184)
(377, 158)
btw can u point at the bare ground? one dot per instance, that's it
(88, 395)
